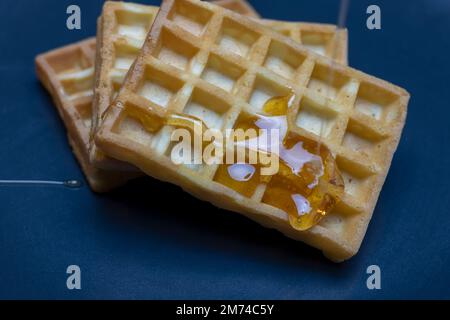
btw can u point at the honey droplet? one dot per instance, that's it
(188, 122)
(228, 176)
(150, 121)
(194, 125)
(72, 183)
(308, 184)
(278, 106)
(321, 186)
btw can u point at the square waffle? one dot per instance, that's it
(324, 39)
(358, 117)
(68, 75)
(121, 32)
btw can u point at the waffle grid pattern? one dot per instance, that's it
(357, 116)
(322, 38)
(121, 32)
(68, 75)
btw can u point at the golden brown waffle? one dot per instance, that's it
(122, 29)
(321, 38)
(324, 39)
(121, 32)
(220, 65)
(68, 74)
(238, 6)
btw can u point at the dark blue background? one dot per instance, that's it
(134, 243)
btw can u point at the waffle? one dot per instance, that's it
(68, 75)
(324, 39)
(228, 66)
(119, 47)
(121, 32)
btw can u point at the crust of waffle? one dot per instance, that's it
(324, 39)
(333, 44)
(100, 181)
(239, 6)
(361, 117)
(75, 112)
(110, 41)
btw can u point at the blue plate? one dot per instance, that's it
(151, 240)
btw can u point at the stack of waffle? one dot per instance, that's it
(151, 70)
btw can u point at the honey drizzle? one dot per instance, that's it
(308, 184)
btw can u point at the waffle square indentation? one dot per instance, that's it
(190, 17)
(236, 38)
(159, 87)
(376, 102)
(221, 73)
(283, 60)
